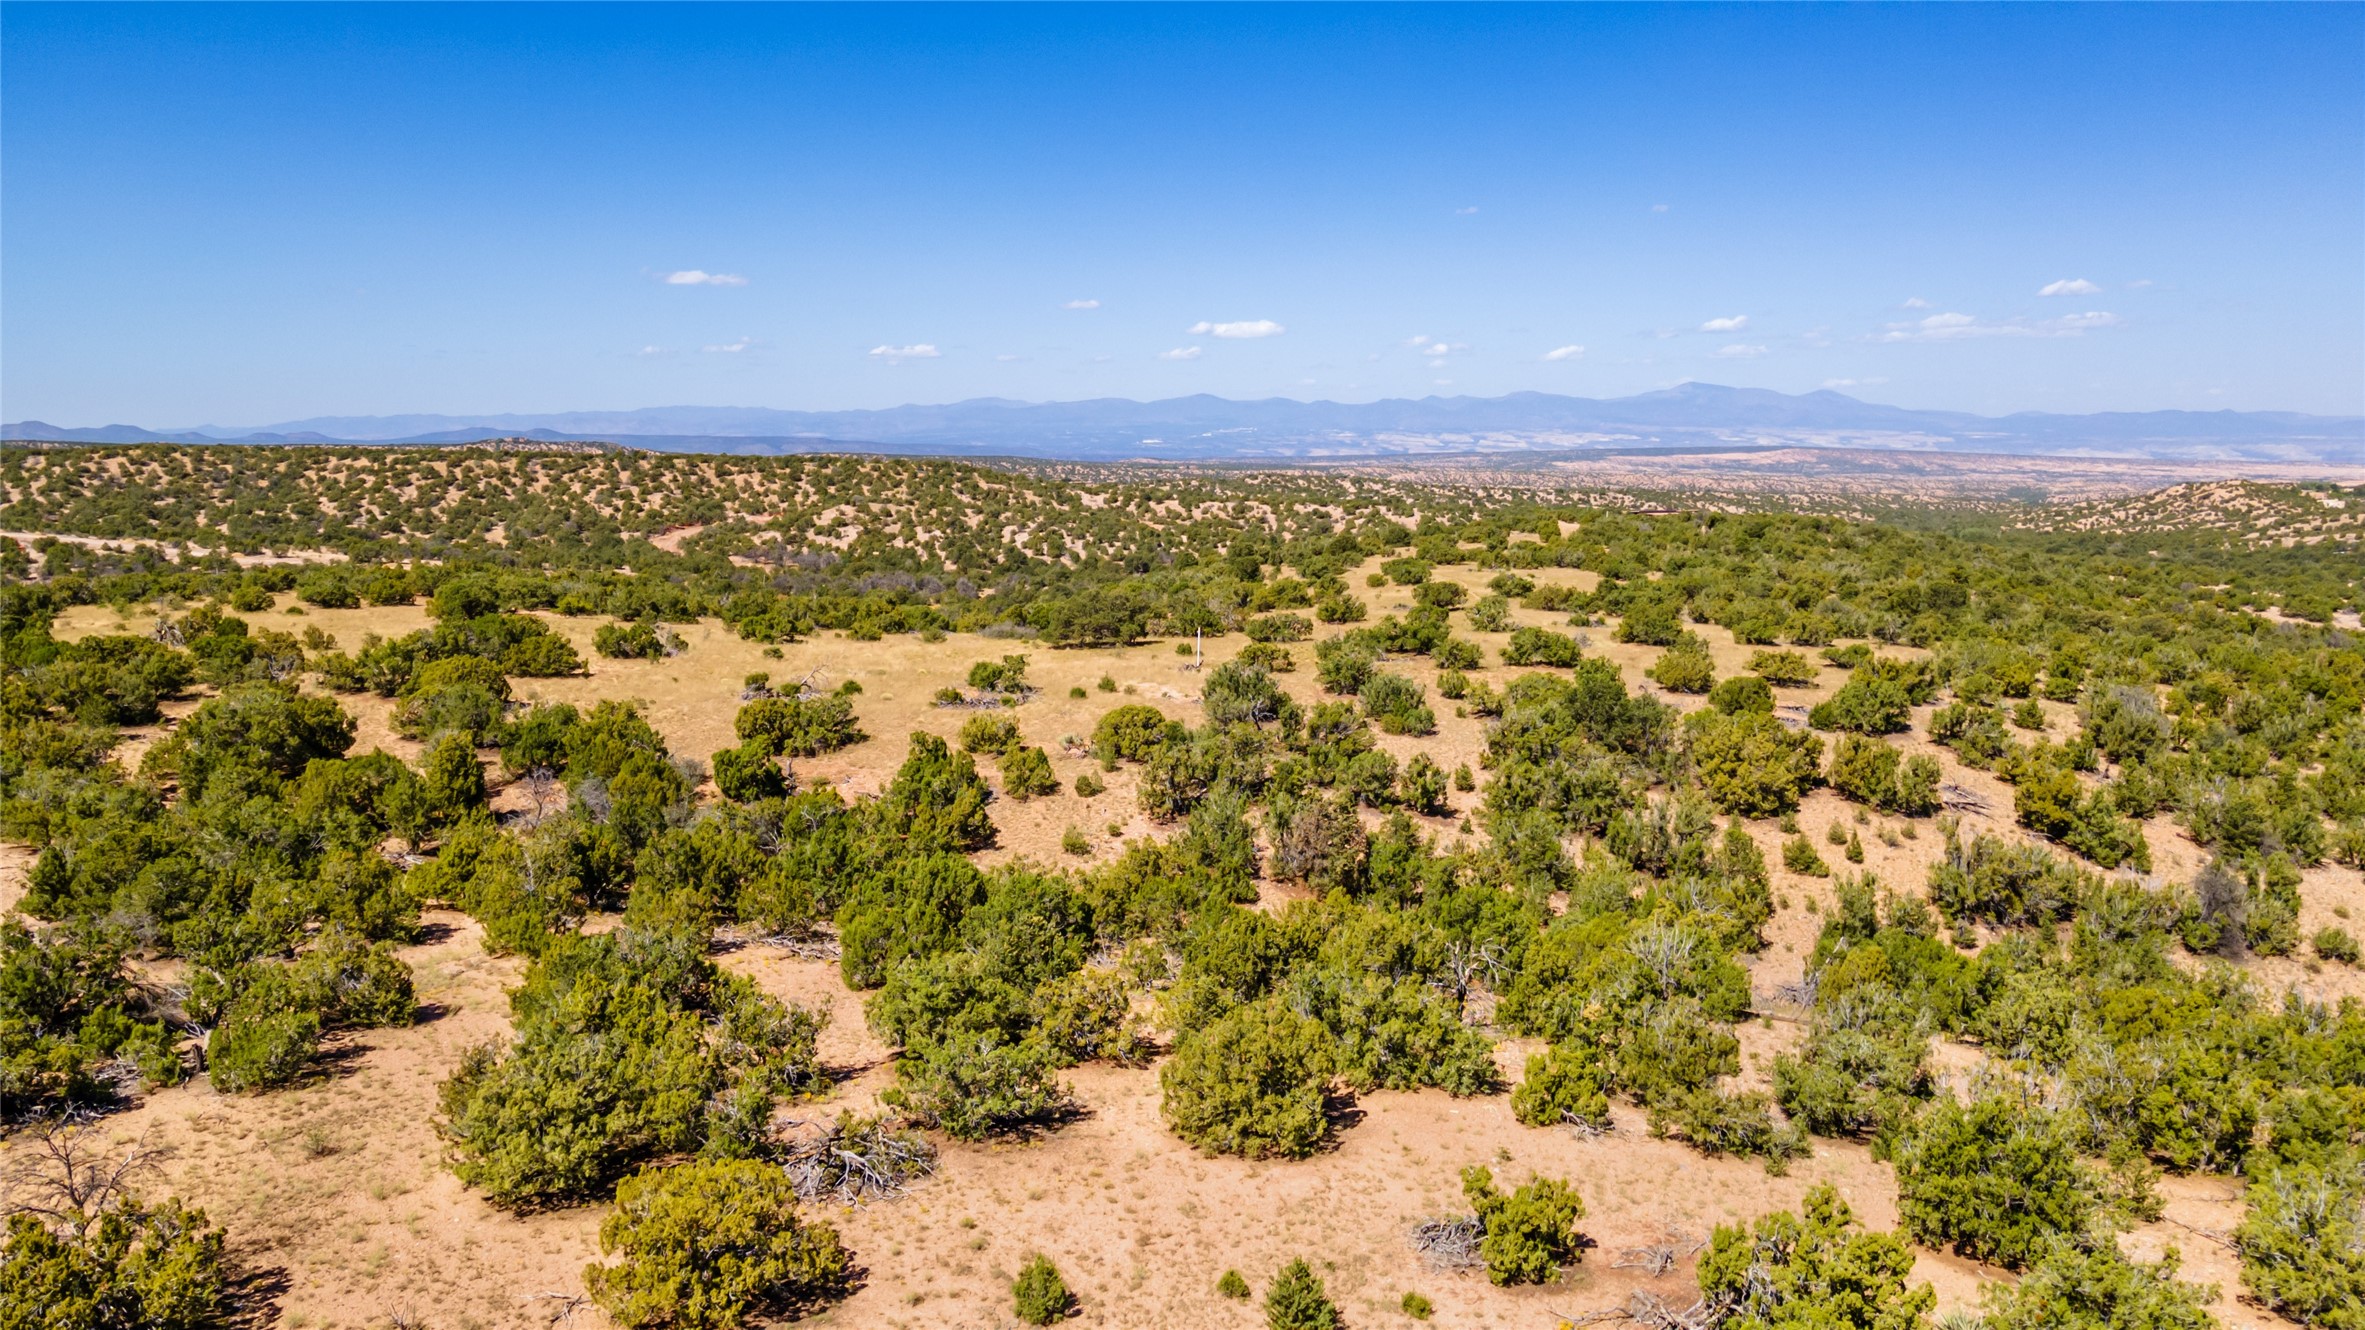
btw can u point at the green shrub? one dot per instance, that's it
(134, 1267)
(749, 773)
(261, 1049)
(972, 1085)
(1529, 1233)
(451, 781)
(1006, 676)
(1542, 646)
(1783, 669)
(1130, 733)
(1397, 705)
(1751, 764)
(1271, 628)
(2302, 1242)
(1564, 1086)
(1799, 856)
(1026, 773)
(1424, 785)
(1652, 623)
(1039, 1296)
(636, 641)
(1238, 692)
(463, 694)
(1870, 771)
(1343, 664)
(1742, 693)
(2336, 944)
(1269, 656)
(627, 1046)
(800, 726)
(355, 983)
(1296, 1300)
(1233, 1285)
(2091, 1285)
(1996, 1180)
(1417, 1307)
(1685, 667)
(707, 1244)
(936, 801)
(986, 733)
(1255, 1082)
(1996, 881)
(1866, 704)
(1815, 1270)
(1340, 608)
(1721, 1122)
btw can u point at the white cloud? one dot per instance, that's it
(1915, 302)
(1243, 328)
(1734, 324)
(2069, 286)
(1564, 353)
(1465, 212)
(1007, 358)
(694, 277)
(1434, 346)
(1180, 353)
(1854, 383)
(1081, 304)
(730, 348)
(898, 354)
(2140, 283)
(652, 351)
(1658, 207)
(1957, 327)
(1739, 351)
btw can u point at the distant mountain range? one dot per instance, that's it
(1690, 416)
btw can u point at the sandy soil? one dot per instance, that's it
(338, 1184)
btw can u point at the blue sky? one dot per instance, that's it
(239, 215)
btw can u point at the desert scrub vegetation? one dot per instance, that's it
(1527, 1234)
(629, 1046)
(81, 1248)
(1601, 897)
(704, 1245)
